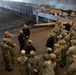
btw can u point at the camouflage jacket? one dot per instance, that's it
(5, 49)
(34, 63)
(22, 62)
(49, 68)
(72, 69)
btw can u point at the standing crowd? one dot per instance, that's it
(61, 51)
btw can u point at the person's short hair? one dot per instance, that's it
(32, 52)
(25, 25)
(53, 56)
(21, 31)
(29, 41)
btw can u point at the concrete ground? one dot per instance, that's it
(38, 36)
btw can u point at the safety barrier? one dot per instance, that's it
(51, 24)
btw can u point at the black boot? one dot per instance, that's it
(10, 69)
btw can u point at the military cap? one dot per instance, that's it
(5, 39)
(60, 36)
(49, 49)
(23, 52)
(51, 34)
(62, 42)
(10, 35)
(52, 56)
(48, 62)
(32, 52)
(73, 42)
(46, 57)
(6, 32)
(71, 48)
(57, 45)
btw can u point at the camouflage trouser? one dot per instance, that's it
(23, 72)
(12, 54)
(7, 61)
(63, 61)
(69, 62)
(57, 68)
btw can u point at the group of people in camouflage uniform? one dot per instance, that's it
(64, 47)
(8, 47)
(28, 66)
(61, 51)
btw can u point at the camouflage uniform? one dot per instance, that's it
(58, 59)
(71, 32)
(49, 67)
(6, 55)
(73, 42)
(73, 37)
(67, 39)
(34, 63)
(47, 55)
(63, 55)
(64, 48)
(69, 54)
(54, 34)
(74, 27)
(72, 69)
(56, 30)
(59, 25)
(59, 38)
(6, 34)
(22, 61)
(12, 45)
(63, 33)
